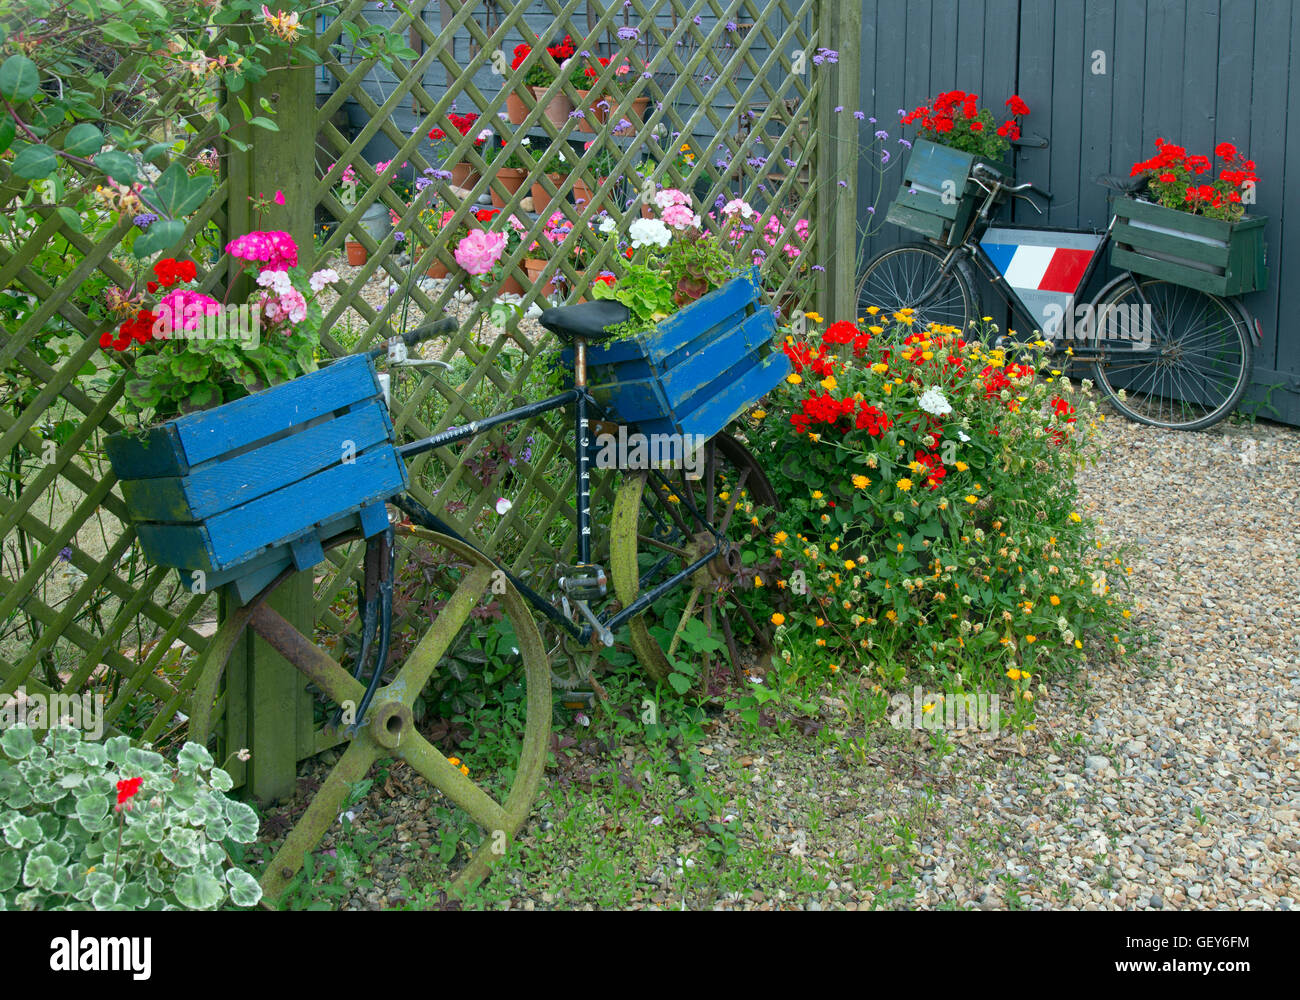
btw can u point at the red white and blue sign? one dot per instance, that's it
(1044, 268)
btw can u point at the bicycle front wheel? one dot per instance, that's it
(1184, 364)
(910, 276)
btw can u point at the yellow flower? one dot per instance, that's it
(724, 495)
(674, 498)
(835, 546)
(778, 618)
(900, 546)
(971, 499)
(849, 564)
(1078, 644)
(815, 317)
(814, 437)
(817, 494)
(876, 330)
(1014, 674)
(860, 482)
(780, 537)
(1054, 600)
(904, 484)
(927, 707)
(758, 580)
(829, 383)
(873, 310)
(834, 667)
(1031, 638)
(962, 466)
(464, 770)
(454, 761)
(892, 615)
(758, 414)
(793, 378)
(1074, 516)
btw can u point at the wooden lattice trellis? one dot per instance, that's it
(736, 96)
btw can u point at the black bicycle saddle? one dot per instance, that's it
(1122, 184)
(594, 320)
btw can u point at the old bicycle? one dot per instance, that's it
(255, 490)
(1169, 341)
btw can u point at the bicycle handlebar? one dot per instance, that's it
(443, 326)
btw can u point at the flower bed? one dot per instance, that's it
(931, 519)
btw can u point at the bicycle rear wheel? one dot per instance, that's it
(899, 277)
(653, 537)
(1198, 362)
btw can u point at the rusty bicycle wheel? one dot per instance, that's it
(653, 537)
(388, 730)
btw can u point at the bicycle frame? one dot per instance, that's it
(584, 407)
(970, 248)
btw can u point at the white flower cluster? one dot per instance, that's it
(933, 401)
(649, 232)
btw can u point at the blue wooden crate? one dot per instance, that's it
(243, 491)
(697, 370)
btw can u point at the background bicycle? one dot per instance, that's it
(1170, 342)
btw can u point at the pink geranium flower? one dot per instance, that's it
(275, 249)
(479, 251)
(184, 310)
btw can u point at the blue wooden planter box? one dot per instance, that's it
(243, 491)
(697, 370)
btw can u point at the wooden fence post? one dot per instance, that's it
(839, 27)
(268, 708)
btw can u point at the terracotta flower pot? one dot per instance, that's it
(511, 285)
(592, 117)
(541, 198)
(534, 268)
(582, 194)
(437, 270)
(510, 178)
(516, 110)
(557, 111)
(357, 254)
(463, 175)
(647, 211)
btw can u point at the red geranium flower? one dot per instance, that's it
(127, 789)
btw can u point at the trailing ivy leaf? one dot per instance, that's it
(117, 165)
(7, 132)
(155, 149)
(266, 123)
(178, 193)
(19, 79)
(34, 161)
(161, 235)
(83, 140)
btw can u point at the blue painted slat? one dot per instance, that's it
(222, 484)
(153, 452)
(723, 407)
(712, 368)
(274, 519)
(213, 433)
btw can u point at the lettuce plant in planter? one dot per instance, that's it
(109, 826)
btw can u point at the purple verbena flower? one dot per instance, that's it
(882, 134)
(859, 115)
(628, 34)
(904, 143)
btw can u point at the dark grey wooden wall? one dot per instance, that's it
(1195, 72)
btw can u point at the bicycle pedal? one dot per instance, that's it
(583, 582)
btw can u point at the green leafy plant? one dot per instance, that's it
(61, 120)
(68, 845)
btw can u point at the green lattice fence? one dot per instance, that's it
(736, 81)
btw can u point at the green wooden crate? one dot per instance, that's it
(1210, 255)
(937, 197)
